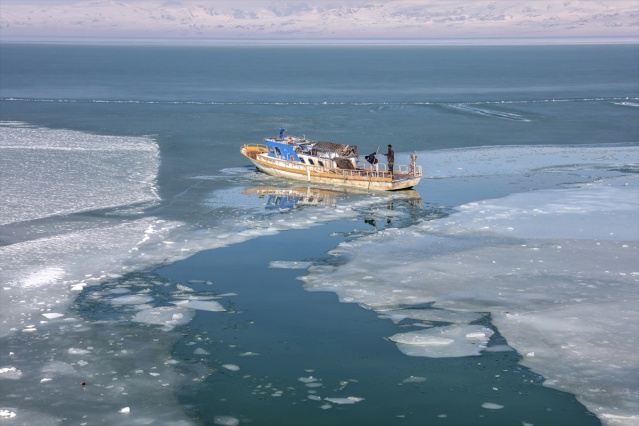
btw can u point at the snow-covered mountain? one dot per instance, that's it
(319, 19)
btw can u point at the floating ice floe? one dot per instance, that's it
(184, 288)
(491, 406)
(289, 264)
(201, 305)
(226, 421)
(440, 342)
(168, 316)
(10, 373)
(347, 400)
(231, 367)
(133, 299)
(52, 315)
(414, 379)
(7, 414)
(77, 351)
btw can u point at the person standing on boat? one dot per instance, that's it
(282, 130)
(372, 158)
(390, 156)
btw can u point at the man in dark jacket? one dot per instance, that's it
(372, 158)
(390, 156)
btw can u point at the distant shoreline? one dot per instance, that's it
(539, 41)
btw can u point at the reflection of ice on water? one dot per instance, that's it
(557, 270)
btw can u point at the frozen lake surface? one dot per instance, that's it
(140, 267)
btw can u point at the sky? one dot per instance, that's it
(319, 19)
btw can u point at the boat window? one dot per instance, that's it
(277, 149)
(320, 163)
(311, 162)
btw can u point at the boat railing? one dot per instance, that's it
(382, 169)
(259, 146)
(408, 169)
(363, 171)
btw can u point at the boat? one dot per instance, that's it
(328, 163)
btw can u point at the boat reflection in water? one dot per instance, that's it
(285, 199)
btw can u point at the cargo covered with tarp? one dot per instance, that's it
(341, 150)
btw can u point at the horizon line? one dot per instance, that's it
(453, 41)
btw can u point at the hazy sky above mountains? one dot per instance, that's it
(319, 19)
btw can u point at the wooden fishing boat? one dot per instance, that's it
(328, 163)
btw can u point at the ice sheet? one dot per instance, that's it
(558, 270)
(71, 171)
(41, 276)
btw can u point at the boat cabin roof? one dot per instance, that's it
(342, 150)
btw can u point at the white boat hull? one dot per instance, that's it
(359, 178)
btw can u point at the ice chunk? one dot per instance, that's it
(76, 351)
(226, 421)
(184, 288)
(201, 305)
(231, 367)
(133, 299)
(479, 335)
(7, 414)
(492, 406)
(10, 373)
(52, 315)
(125, 410)
(414, 379)
(347, 400)
(422, 338)
(449, 341)
(289, 264)
(168, 316)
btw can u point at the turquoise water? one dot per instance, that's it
(127, 202)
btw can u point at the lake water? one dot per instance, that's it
(146, 281)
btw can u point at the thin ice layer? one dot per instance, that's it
(69, 171)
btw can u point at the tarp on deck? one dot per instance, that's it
(341, 149)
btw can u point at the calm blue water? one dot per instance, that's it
(122, 174)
